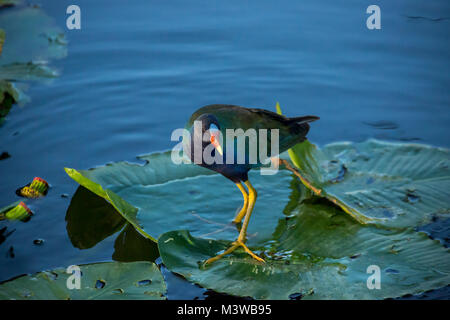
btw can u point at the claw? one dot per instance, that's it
(234, 246)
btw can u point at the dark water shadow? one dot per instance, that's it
(91, 219)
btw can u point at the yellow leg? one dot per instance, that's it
(302, 179)
(242, 235)
(243, 211)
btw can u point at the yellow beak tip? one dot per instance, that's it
(219, 149)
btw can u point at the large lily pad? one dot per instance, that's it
(318, 253)
(160, 196)
(312, 247)
(392, 184)
(112, 280)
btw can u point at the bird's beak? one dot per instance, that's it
(215, 142)
(219, 149)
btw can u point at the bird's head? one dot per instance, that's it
(210, 132)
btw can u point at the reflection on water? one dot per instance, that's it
(90, 219)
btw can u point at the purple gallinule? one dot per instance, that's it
(209, 127)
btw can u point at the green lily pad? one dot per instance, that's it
(391, 184)
(112, 280)
(159, 196)
(318, 253)
(304, 239)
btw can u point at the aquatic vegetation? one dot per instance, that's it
(362, 205)
(311, 246)
(28, 40)
(102, 281)
(390, 184)
(35, 189)
(16, 211)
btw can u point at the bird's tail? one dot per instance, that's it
(304, 119)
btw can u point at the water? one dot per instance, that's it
(136, 71)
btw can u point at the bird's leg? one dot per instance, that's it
(302, 179)
(242, 235)
(252, 195)
(243, 211)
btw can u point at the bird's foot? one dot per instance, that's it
(238, 243)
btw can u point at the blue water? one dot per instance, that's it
(138, 69)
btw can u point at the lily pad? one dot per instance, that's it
(112, 280)
(159, 196)
(395, 185)
(319, 253)
(391, 184)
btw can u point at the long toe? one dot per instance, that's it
(233, 247)
(250, 252)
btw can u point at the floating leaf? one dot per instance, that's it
(160, 196)
(379, 182)
(320, 253)
(313, 249)
(112, 280)
(401, 185)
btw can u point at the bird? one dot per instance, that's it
(207, 144)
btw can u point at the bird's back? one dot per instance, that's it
(291, 130)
